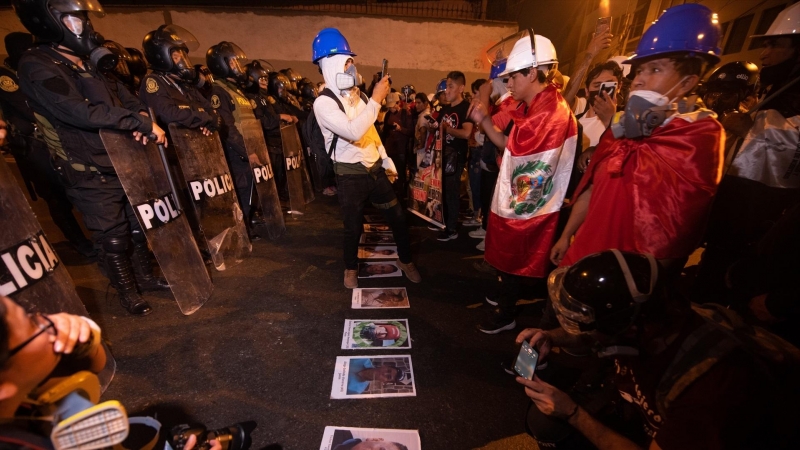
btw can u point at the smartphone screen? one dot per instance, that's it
(610, 88)
(526, 361)
(385, 68)
(603, 24)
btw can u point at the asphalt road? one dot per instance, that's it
(263, 348)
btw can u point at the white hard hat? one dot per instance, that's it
(787, 23)
(626, 68)
(523, 56)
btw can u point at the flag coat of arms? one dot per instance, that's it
(531, 186)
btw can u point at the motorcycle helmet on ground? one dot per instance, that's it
(227, 60)
(167, 49)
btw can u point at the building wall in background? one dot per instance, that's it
(420, 52)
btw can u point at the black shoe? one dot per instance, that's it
(143, 269)
(434, 228)
(445, 236)
(134, 303)
(497, 323)
(152, 283)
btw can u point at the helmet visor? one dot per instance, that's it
(182, 36)
(66, 6)
(570, 312)
(266, 65)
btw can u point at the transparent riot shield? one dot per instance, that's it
(212, 195)
(31, 272)
(263, 179)
(144, 178)
(300, 190)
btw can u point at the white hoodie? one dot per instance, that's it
(358, 139)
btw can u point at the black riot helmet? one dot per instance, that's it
(227, 60)
(66, 23)
(308, 90)
(167, 50)
(279, 85)
(16, 44)
(255, 72)
(137, 63)
(729, 85)
(602, 292)
(294, 77)
(121, 70)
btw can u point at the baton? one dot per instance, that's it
(164, 162)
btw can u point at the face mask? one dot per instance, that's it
(644, 112)
(80, 38)
(183, 68)
(592, 96)
(348, 79)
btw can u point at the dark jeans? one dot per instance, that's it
(452, 193)
(354, 192)
(488, 182)
(401, 185)
(475, 178)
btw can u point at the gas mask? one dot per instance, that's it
(347, 80)
(182, 67)
(722, 102)
(83, 41)
(644, 112)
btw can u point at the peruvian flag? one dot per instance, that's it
(534, 175)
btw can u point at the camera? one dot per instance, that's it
(233, 437)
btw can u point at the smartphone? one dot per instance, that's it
(603, 24)
(385, 68)
(525, 365)
(610, 88)
(429, 118)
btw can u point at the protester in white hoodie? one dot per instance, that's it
(346, 116)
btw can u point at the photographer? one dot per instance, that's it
(690, 377)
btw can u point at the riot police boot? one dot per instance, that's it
(143, 267)
(120, 272)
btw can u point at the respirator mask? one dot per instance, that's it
(83, 41)
(182, 67)
(644, 112)
(347, 83)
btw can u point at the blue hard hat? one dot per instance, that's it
(442, 86)
(497, 69)
(329, 41)
(684, 28)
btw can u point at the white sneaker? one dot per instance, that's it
(473, 222)
(480, 233)
(481, 246)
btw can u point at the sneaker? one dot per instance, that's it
(434, 228)
(480, 233)
(411, 271)
(491, 299)
(483, 266)
(329, 191)
(351, 279)
(445, 236)
(473, 222)
(496, 323)
(481, 245)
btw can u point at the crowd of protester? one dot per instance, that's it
(598, 194)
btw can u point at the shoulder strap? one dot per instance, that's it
(329, 93)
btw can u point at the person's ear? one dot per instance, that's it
(687, 84)
(7, 390)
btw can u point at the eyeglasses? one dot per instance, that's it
(43, 328)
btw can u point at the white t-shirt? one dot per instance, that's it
(593, 128)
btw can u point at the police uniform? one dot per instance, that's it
(30, 151)
(233, 107)
(174, 102)
(271, 124)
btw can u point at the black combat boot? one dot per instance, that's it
(118, 266)
(143, 268)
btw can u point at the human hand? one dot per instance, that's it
(605, 107)
(254, 160)
(599, 42)
(583, 160)
(738, 124)
(2, 133)
(550, 400)
(477, 110)
(391, 175)
(559, 250)
(396, 126)
(71, 330)
(538, 339)
(157, 133)
(192, 441)
(205, 131)
(381, 89)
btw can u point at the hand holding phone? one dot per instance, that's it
(603, 24)
(610, 88)
(525, 365)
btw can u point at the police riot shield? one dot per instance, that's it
(212, 195)
(31, 272)
(263, 179)
(143, 176)
(297, 179)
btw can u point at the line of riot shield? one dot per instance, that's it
(301, 191)
(144, 178)
(31, 272)
(212, 195)
(263, 179)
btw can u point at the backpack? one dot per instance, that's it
(312, 134)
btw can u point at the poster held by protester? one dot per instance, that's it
(338, 438)
(381, 269)
(425, 190)
(376, 298)
(378, 376)
(371, 334)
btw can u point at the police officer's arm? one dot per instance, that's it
(168, 111)
(270, 120)
(228, 132)
(58, 93)
(332, 118)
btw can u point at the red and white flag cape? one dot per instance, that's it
(531, 186)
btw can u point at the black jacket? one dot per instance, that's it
(177, 103)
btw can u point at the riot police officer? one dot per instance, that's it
(138, 66)
(121, 72)
(72, 99)
(728, 87)
(308, 93)
(29, 148)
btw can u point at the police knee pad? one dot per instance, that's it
(552, 433)
(116, 244)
